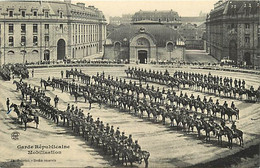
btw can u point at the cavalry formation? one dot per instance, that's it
(160, 104)
(112, 142)
(138, 97)
(226, 87)
(10, 70)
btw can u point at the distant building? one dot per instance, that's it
(192, 35)
(116, 20)
(125, 19)
(195, 20)
(233, 31)
(169, 18)
(33, 31)
(144, 43)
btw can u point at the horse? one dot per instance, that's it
(138, 157)
(199, 126)
(26, 118)
(233, 134)
(47, 83)
(207, 127)
(79, 94)
(219, 132)
(230, 112)
(16, 109)
(238, 134)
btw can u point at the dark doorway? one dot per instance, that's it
(142, 56)
(247, 58)
(233, 50)
(46, 55)
(61, 49)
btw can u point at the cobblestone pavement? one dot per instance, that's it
(167, 146)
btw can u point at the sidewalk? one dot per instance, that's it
(94, 56)
(232, 69)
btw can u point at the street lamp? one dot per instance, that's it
(23, 44)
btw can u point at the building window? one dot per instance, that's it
(11, 13)
(35, 40)
(46, 39)
(11, 41)
(23, 28)
(170, 47)
(35, 13)
(247, 40)
(247, 25)
(23, 13)
(46, 14)
(23, 41)
(10, 52)
(35, 28)
(117, 46)
(35, 51)
(46, 27)
(61, 27)
(11, 28)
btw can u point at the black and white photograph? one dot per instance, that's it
(128, 83)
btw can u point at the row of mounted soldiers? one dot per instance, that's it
(199, 82)
(104, 89)
(118, 144)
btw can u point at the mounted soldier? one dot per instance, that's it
(217, 102)
(205, 100)
(68, 108)
(225, 105)
(107, 128)
(198, 98)
(112, 130)
(123, 137)
(210, 100)
(181, 94)
(130, 140)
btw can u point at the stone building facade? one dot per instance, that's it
(144, 43)
(169, 18)
(233, 31)
(33, 31)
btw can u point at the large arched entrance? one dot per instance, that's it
(233, 50)
(46, 55)
(142, 48)
(61, 49)
(142, 56)
(247, 58)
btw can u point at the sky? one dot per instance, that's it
(119, 7)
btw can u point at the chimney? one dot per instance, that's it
(81, 4)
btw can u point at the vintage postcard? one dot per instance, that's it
(129, 83)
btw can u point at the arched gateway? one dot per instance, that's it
(61, 49)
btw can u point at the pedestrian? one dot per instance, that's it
(32, 73)
(61, 74)
(56, 100)
(8, 104)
